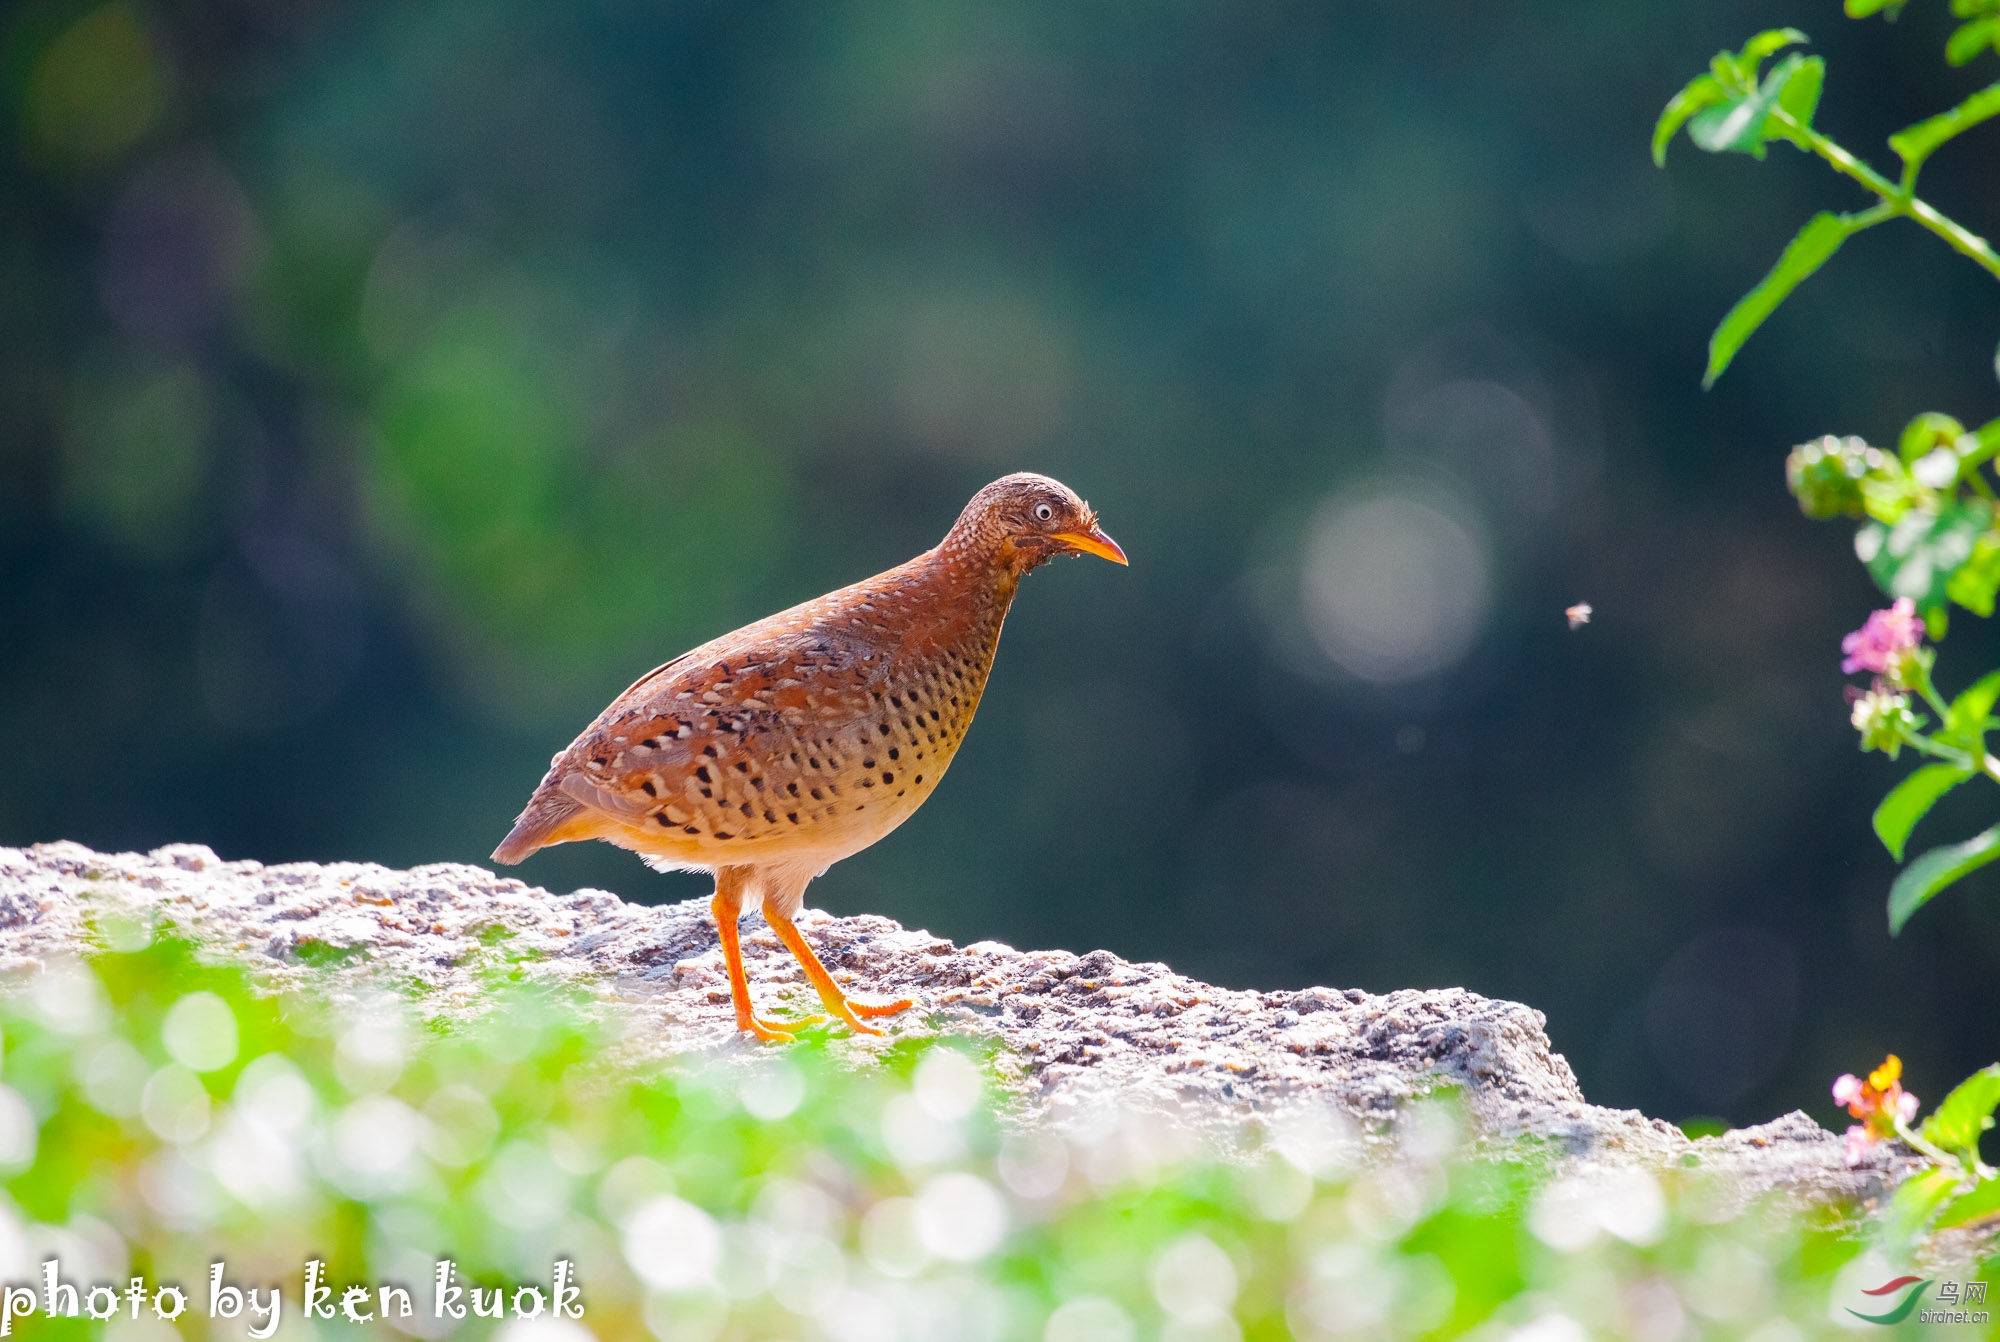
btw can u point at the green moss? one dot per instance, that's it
(493, 934)
(323, 955)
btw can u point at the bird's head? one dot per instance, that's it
(1027, 519)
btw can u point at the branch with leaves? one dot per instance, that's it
(1929, 535)
(1732, 109)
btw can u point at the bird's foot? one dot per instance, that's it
(870, 1010)
(774, 1032)
(853, 1013)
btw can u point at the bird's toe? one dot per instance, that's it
(776, 1032)
(873, 1010)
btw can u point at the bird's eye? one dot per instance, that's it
(1043, 512)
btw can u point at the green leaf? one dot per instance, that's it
(1861, 9)
(1974, 705)
(1738, 119)
(1910, 799)
(1807, 252)
(1734, 125)
(1981, 1202)
(1740, 122)
(1937, 869)
(1887, 495)
(1928, 431)
(1768, 41)
(1970, 39)
(1985, 440)
(1798, 95)
(1701, 91)
(1916, 1202)
(1976, 582)
(1917, 556)
(1964, 1114)
(1916, 143)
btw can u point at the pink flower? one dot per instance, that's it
(1880, 1103)
(1885, 635)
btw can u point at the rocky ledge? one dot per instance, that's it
(1079, 1033)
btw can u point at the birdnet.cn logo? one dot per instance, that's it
(1954, 1301)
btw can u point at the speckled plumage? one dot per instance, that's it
(770, 753)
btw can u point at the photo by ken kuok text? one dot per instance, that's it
(264, 1307)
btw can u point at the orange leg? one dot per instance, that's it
(728, 907)
(837, 1002)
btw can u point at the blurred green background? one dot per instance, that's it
(384, 386)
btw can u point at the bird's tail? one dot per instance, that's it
(548, 814)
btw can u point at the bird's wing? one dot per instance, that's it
(766, 681)
(655, 741)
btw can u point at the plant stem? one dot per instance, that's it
(1896, 199)
(1961, 238)
(1868, 218)
(1928, 690)
(1916, 1143)
(1841, 160)
(1983, 764)
(1924, 745)
(1969, 1164)
(1978, 762)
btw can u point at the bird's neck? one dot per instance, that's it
(975, 580)
(978, 548)
(982, 572)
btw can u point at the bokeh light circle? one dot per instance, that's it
(1395, 586)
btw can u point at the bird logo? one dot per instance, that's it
(1901, 1311)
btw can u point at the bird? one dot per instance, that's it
(767, 755)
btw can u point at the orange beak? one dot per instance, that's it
(1094, 543)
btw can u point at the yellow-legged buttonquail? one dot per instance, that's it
(767, 755)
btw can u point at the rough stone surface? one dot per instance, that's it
(1081, 1032)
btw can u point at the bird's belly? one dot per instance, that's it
(838, 800)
